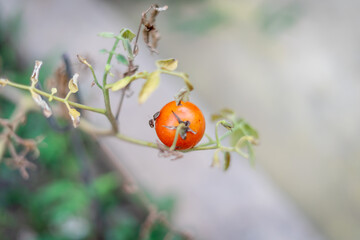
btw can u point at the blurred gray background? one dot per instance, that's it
(291, 68)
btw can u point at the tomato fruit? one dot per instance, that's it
(171, 115)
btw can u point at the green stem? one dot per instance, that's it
(177, 133)
(47, 95)
(108, 112)
(217, 134)
(136, 141)
(94, 76)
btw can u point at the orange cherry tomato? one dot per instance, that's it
(171, 116)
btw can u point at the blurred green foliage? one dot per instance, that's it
(274, 19)
(68, 196)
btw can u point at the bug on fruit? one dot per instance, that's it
(152, 121)
(171, 115)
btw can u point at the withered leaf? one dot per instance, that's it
(121, 83)
(149, 86)
(226, 160)
(44, 106)
(3, 82)
(182, 96)
(75, 117)
(167, 64)
(73, 86)
(35, 75)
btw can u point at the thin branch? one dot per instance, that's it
(63, 100)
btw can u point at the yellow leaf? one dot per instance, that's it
(168, 64)
(73, 86)
(75, 117)
(121, 83)
(149, 86)
(35, 75)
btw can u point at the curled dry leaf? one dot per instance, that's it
(83, 60)
(35, 75)
(149, 86)
(182, 96)
(160, 9)
(41, 102)
(73, 86)
(37, 98)
(3, 82)
(167, 64)
(75, 117)
(166, 152)
(151, 35)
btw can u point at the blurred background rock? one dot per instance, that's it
(289, 67)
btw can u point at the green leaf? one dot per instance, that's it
(226, 160)
(121, 83)
(103, 50)
(127, 47)
(167, 64)
(127, 34)
(149, 86)
(249, 130)
(105, 185)
(122, 59)
(107, 68)
(106, 34)
(243, 129)
(235, 136)
(251, 153)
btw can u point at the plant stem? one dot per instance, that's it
(108, 112)
(47, 95)
(94, 76)
(177, 133)
(136, 141)
(217, 134)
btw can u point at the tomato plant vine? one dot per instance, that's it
(242, 136)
